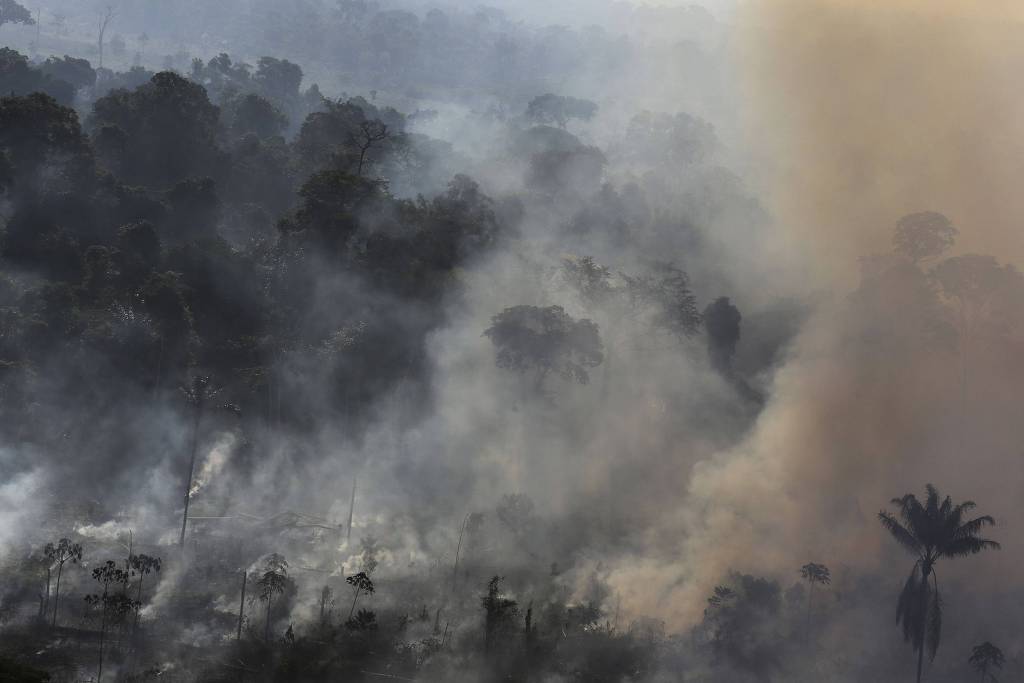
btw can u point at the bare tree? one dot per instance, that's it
(108, 15)
(371, 133)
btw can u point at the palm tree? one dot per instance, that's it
(985, 657)
(930, 531)
(814, 573)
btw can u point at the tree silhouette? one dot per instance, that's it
(984, 658)
(142, 565)
(545, 340)
(273, 582)
(924, 235)
(498, 610)
(931, 531)
(112, 606)
(360, 583)
(59, 554)
(12, 12)
(198, 395)
(814, 573)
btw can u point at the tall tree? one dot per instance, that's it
(197, 395)
(814, 573)
(112, 606)
(930, 530)
(360, 583)
(59, 554)
(142, 565)
(272, 583)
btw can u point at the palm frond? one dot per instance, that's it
(969, 545)
(902, 535)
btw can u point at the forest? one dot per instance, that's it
(421, 340)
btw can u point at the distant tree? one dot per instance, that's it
(253, 114)
(142, 565)
(371, 134)
(545, 340)
(60, 554)
(738, 623)
(814, 573)
(326, 598)
(11, 12)
(498, 612)
(930, 530)
(113, 607)
(364, 620)
(167, 131)
(666, 292)
(923, 236)
(105, 20)
(984, 658)
(77, 72)
(671, 141)
(985, 298)
(197, 395)
(278, 78)
(43, 147)
(270, 584)
(360, 583)
(559, 109)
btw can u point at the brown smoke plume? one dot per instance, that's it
(859, 112)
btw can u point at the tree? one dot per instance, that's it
(278, 78)
(111, 606)
(923, 236)
(108, 15)
(986, 299)
(671, 141)
(43, 146)
(360, 583)
(498, 612)
(666, 292)
(142, 565)
(814, 573)
(11, 12)
(59, 554)
(167, 131)
(370, 133)
(197, 395)
(984, 658)
(559, 109)
(272, 583)
(254, 114)
(545, 340)
(931, 531)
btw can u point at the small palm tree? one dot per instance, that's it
(984, 658)
(931, 530)
(814, 573)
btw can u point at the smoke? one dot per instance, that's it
(859, 113)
